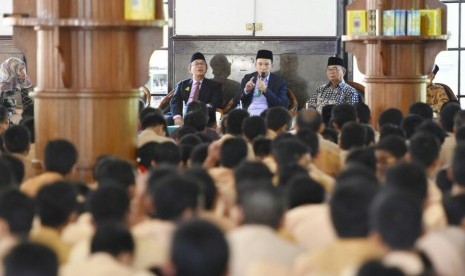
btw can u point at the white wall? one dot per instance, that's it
(6, 6)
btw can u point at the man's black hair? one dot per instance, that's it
(408, 178)
(16, 139)
(30, 259)
(167, 153)
(390, 116)
(112, 238)
(410, 123)
(55, 203)
(232, 152)
(390, 130)
(393, 144)
(277, 117)
(198, 154)
(310, 139)
(147, 110)
(363, 156)
(342, 114)
(109, 203)
(7, 177)
(16, 166)
(309, 118)
(353, 135)
(118, 170)
(206, 186)
(234, 121)
(430, 126)
(146, 154)
(253, 127)
(252, 170)
(422, 109)
(28, 123)
(152, 120)
(263, 206)
(454, 206)
(60, 156)
(18, 211)
(196, 119)
(446, 115)
(363, 112)
(458, 164)
(186, 144)
(302, 190)
(261, 146)
(424, 148)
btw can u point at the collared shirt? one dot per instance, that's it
(191, 95)
(328, 94)
(259, 102)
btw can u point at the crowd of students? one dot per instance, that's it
(317, 194)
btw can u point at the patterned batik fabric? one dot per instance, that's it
(436, 96)
(330, 95)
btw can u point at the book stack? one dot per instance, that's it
(139, 9)
(356, 22)
(413, 22)
(371, 22)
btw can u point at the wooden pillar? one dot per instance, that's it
(90, 62)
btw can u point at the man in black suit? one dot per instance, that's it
(263, 89)
(198, 88)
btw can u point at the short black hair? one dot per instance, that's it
(393, 144)
(186, 144)
(397, 217)
(446, 115)
(152, 119)
(146, 154)
(196, 119)
(277, 117)
(17, 210)
(16, 166)
(206, 186)
(30, 259)
(147, 110)
(342, 114)
(198, 154)
(60, 156)
(375, 267)
(459, 119)
(167, 153)
(330, 134)
(390, 130)
(309, 118)
(363, 156)
(310, 138)
(410, 123)
(233, 151)
(326, 112)
(16, 139)
(454, 206)
(288, 151)
(422, 109)
(118, 170)
(234, 121)
(109, 203)
(349, 206)
(408, 178)
(353, 135)
(253, 127)
(55, 203)
(302, 189)
(252, 170)
(370, 138)
(262, 146)
(7, 178)
(195, 106)
(112, 238)
(358, 170)
(424, 148)
(199, 248)
(262, 205)
(430, 126)
(172, 195)
(28, 122)
(390, 116)
(460, 134)
(363, 112)
(458, 164)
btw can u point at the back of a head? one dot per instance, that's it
(278, 118)
(430, 126)
(60, 156)
(458, 164)
(424, 148)
(30, 259)
(261, 147)
(206, 186)
(252, 170)
(234, 121)
(186, 144)
(397, 218)
(390, 130)
(309, 118)
(342, 114)
(17, 139)
(167, 153)
(410, 123)
(233, 151)
(198, 154)
(29, 124)
(302, 190)
(446, 115)
(55, 203)
(146, 154)
(393, 144)
(147, 110)
(408, 178)
(390, 116)
(195, 106)
(363, 156)
(11, 171)
(349, 206)
(109, 203)
(454, 206)
(355, 169)
(112, 238)
(460, 134)
(422, 109)
(152, 120)
(310, 138)
(377, 268)
(199, 248)
(196, 119)
(253, 127)
(459, 119)
(118, 170)
(172, 196)
(262, 206)
(363, 112)
(18, 211)
(288, 151)
(326, 112)
(353, 135)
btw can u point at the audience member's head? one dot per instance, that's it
(460, 134)
(146, 155)
(389, 151)
(377, 268)
(309, 118)
(206, 187)
(120, 171)
(114, 239)
(30, 259)
(363, 112)
(155, 122)
(17, 212)
(60, 156)
(253, 127)
(353, 135)
(310, 139)
(28, 123)
(422, 109)
(261, 147)
(326, 112)
(232, 152)
(408, 178)
(389, 130)
(458, 164)
(234, 121)
(186, 144)
(424, 149)
(198, 154)
(302, 190)
(56, 203)
(199, 248)
(16, 170)
(278, 119)
(16, 139)
(252, 170)
(330, 134)
(430, 126)
(342, 114)
(196, 119)
(447, 114)
(109, 203)
(454, 206)
(262, 206)
(362, 156)
(390, 116)
(167, 153)
(410, 123)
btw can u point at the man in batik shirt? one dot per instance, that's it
(336, 91)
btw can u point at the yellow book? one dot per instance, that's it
(431, 22)
(139, 9)
(356, 22)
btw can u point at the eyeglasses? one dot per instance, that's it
(199, 64)
(332, 69)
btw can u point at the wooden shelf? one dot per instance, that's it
(406, 38)
(83, 23)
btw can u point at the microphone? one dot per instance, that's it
(262, 78)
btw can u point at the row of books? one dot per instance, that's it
(394, 22)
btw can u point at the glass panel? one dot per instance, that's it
(453, 25)
(462, 44)
(358, 76)
(448, 69)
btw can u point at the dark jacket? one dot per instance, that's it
(276, 93)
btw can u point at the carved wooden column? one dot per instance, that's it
(90, 62)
